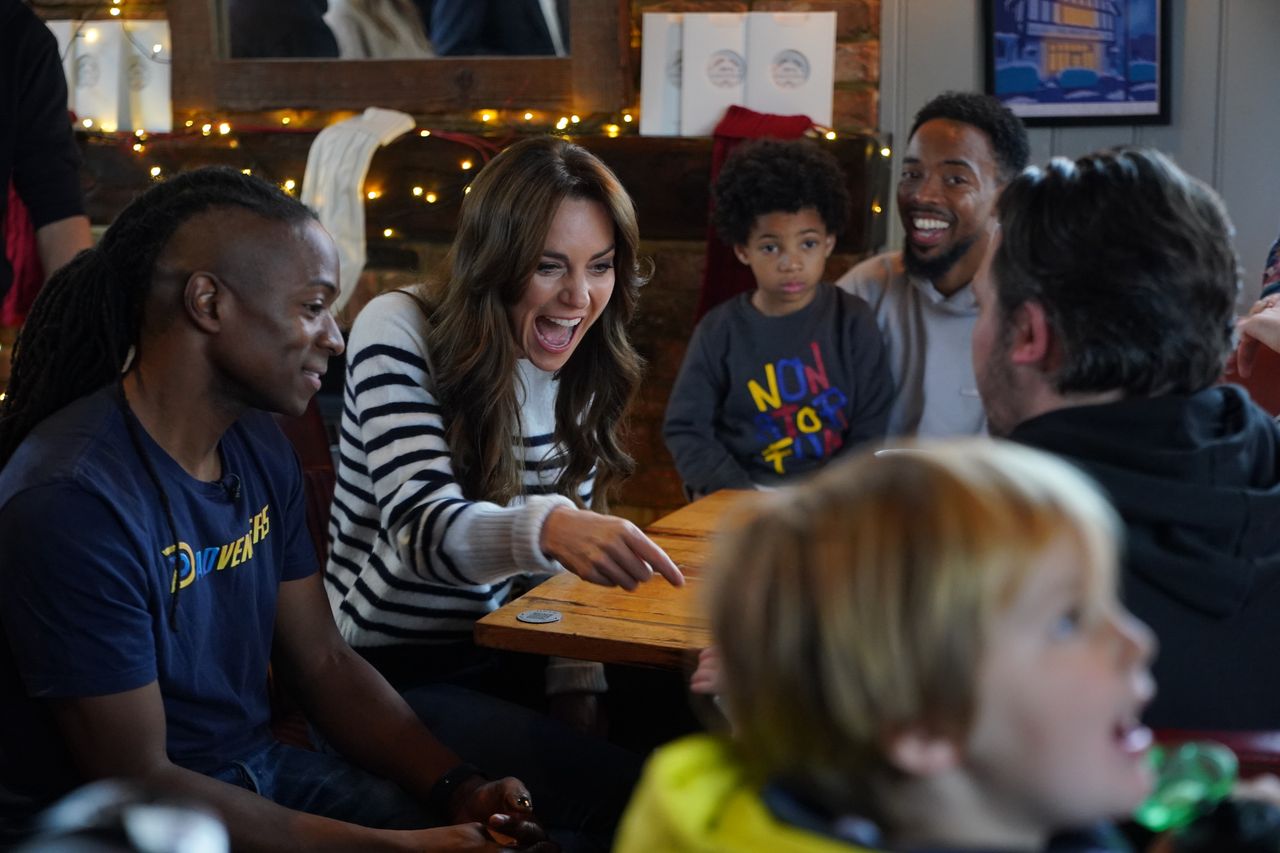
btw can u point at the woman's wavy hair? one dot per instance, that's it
(501, 235)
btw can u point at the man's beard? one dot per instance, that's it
(937, 267)
(998, 388)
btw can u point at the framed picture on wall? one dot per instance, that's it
(1060, 62)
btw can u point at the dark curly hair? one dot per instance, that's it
(986, 113)
(768, 175)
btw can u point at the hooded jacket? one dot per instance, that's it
(1197, 481)
(695, 798)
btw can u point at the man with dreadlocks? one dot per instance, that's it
(155, 553)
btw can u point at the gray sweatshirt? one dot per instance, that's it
(762, 399)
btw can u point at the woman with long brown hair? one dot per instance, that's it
(480, 430)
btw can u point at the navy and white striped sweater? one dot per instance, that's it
(411, 560)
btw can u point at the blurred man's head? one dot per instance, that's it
(1112, 277)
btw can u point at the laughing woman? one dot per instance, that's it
(480, 424)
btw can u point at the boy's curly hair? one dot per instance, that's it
(769, 175)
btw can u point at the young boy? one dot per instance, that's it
(920, 651)
(778, 381)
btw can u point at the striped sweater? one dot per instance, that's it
(411, 560)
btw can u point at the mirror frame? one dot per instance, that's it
(595, 78)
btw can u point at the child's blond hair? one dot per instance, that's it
(858, 604)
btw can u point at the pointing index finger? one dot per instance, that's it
(647, 550)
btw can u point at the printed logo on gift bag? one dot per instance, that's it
(726, 69)
(789, 69)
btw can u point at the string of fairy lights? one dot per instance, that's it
(497, 129)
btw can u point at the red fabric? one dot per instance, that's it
(724, 277)
(310, 439)
(24, 256)
(1257, 751)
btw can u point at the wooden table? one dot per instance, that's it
(657, 625)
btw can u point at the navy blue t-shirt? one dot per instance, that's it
(86, 586)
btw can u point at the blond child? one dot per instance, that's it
(922, 650)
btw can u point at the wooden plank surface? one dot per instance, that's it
(700, 518)
(657, 625)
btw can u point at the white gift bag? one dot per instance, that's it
(791, 63)
(714, 69)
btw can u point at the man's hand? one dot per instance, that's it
(504, 809)
(481, 799)
(605, 550)
(509, 831)
(500, 832)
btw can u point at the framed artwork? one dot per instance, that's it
(1060, 62)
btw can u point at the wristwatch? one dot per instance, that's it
(447, 785)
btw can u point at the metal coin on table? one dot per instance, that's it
(539, 617)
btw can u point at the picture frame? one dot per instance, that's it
(1079, 62)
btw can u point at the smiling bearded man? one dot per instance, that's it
(963, 148)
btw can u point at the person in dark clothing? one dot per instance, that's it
(37, 149)
(280, 28)
(1105, 316)
(155, 548)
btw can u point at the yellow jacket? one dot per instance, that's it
(693, 799)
